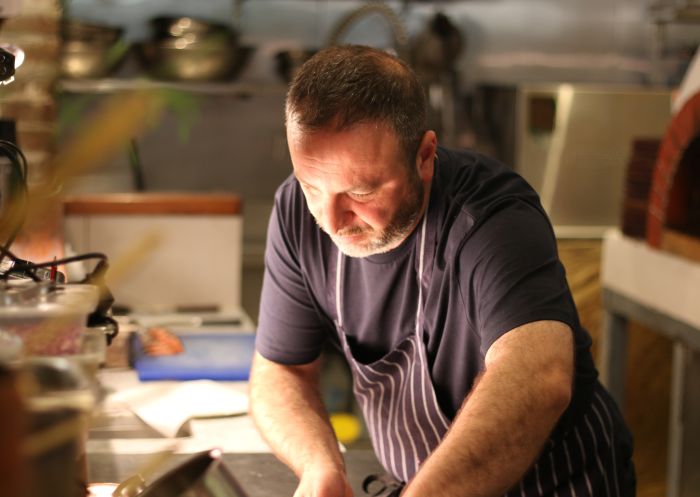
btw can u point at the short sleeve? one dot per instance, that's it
(515, 276)
(290, 329)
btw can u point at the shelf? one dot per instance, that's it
(111, 85)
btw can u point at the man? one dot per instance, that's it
(436, 273)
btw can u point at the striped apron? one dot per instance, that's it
(591, 459)
(396, 394)
(406, 423)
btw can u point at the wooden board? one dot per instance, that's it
(681, 244)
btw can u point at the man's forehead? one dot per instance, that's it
(299, 131)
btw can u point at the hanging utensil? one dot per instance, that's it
(435, 50)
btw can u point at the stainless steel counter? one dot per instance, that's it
(260, 475)
(120, 444)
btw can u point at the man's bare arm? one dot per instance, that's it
(505, 421)
(287, 408)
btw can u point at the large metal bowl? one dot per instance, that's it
(90, 50)
(85, 59)
(182, 59)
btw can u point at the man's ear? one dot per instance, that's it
(425, 158)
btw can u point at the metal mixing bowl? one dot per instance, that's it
(184, 59)
(90, 50)
(85, 59)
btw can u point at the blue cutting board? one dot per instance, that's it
(220, 356)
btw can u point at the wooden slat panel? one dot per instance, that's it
(153, 203)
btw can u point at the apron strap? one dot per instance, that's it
(421, 256)
(338, 278)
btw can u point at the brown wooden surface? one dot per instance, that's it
(153, 204)
(681, 244)
(648, 372)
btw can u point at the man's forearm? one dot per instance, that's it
(502, 426)
(287, 408)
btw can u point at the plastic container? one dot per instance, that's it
(49, 319)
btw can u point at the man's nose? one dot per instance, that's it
(335, 213)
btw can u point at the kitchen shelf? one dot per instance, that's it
(111, 85)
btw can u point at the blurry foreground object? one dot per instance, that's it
(11, 57)
(204, 474)
(48, 403)
(12, 426)
(98, 137)
(13, 190)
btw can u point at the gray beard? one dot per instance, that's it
(398, 229)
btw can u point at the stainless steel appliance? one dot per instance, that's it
(572, 143)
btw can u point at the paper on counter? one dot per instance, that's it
(166, 406)
(232, 435)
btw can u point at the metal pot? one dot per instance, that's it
(202, 475)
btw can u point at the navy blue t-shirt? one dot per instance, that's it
(491, 265)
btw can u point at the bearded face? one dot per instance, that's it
(358, 186)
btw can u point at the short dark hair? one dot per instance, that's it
(342, 86)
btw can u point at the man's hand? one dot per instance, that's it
(287, 408)
(323, 482)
